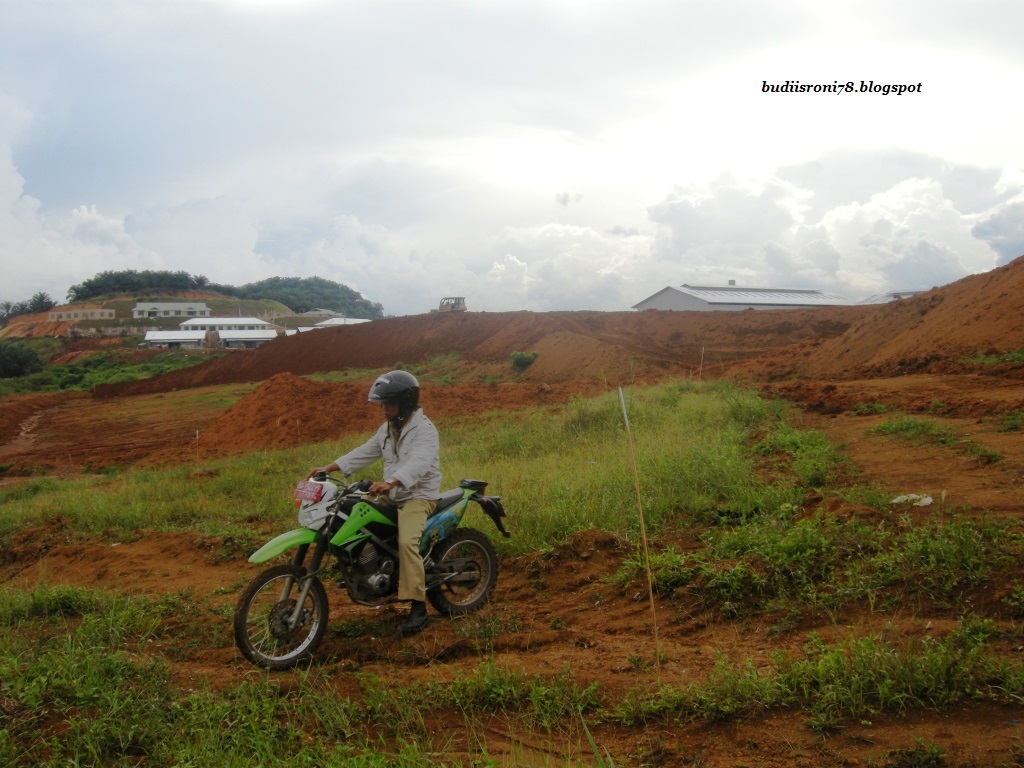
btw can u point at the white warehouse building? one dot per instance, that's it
(700, 298)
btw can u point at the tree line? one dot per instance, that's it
(135, 282)
(40, 302)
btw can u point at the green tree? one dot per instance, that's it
(18, 360)
(41, 302)
(302, 294)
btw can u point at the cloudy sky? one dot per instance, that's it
(525, 154)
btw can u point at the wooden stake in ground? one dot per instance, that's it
(643, 531)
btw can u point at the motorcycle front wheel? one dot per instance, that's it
(477, 573)
(263, 627)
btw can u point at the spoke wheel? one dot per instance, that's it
(476, 579)
(263, 618)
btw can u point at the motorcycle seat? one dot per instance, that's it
(446, 500)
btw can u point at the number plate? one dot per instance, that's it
(308, 491)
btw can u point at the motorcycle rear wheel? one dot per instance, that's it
(261, 618)
(472, 588)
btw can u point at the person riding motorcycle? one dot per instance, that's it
(409, 445)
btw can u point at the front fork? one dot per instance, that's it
(323, 541)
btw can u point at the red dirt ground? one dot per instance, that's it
(912, 356)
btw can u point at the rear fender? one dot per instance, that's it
(282, 543)
(492, 507)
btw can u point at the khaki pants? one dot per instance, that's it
(412, 517)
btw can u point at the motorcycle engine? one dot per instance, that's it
(374, 574)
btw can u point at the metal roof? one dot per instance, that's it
(268, 333)
(786, 297)
(340, 321)
(161, 305)
(885, 298)
(175, 335)
(205, 321)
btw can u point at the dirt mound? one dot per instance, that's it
(616, 347)
(288, 410)
(936, 331)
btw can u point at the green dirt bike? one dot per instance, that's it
(281, 615)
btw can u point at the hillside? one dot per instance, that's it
(39, 325)
(612, 347)
(939, 330)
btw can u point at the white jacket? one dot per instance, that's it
(411, 456)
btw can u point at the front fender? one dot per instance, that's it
(282, 543)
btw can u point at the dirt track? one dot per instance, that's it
(913, 356)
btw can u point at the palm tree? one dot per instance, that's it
(41, 302)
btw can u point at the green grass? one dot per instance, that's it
(870, 409)
(1013, 358)
(119, 705)
(102, 368)
(929, 432)
(85, 676)
(559, 472)
(98, 674)
(1012, 421)
(855, 678)
(803, 565)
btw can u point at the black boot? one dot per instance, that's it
(417, 618)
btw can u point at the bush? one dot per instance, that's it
(523, 360)
(18, 360)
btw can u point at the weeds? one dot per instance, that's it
(1012, 421)
(858, 677)
(810, 455)
(1015, 357)
(929, 432)
(873, 408)
(817, 562)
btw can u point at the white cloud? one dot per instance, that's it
(907, 236)
(543, 155)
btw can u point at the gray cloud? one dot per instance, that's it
(413, 150)
(845, 176)
(1003, 231)
(171, 89)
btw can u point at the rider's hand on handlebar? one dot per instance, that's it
(381, 487)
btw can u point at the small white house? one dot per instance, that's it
(226, 324)
(175, 339)
(245, 339)
(144, 310)
(734, 298)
